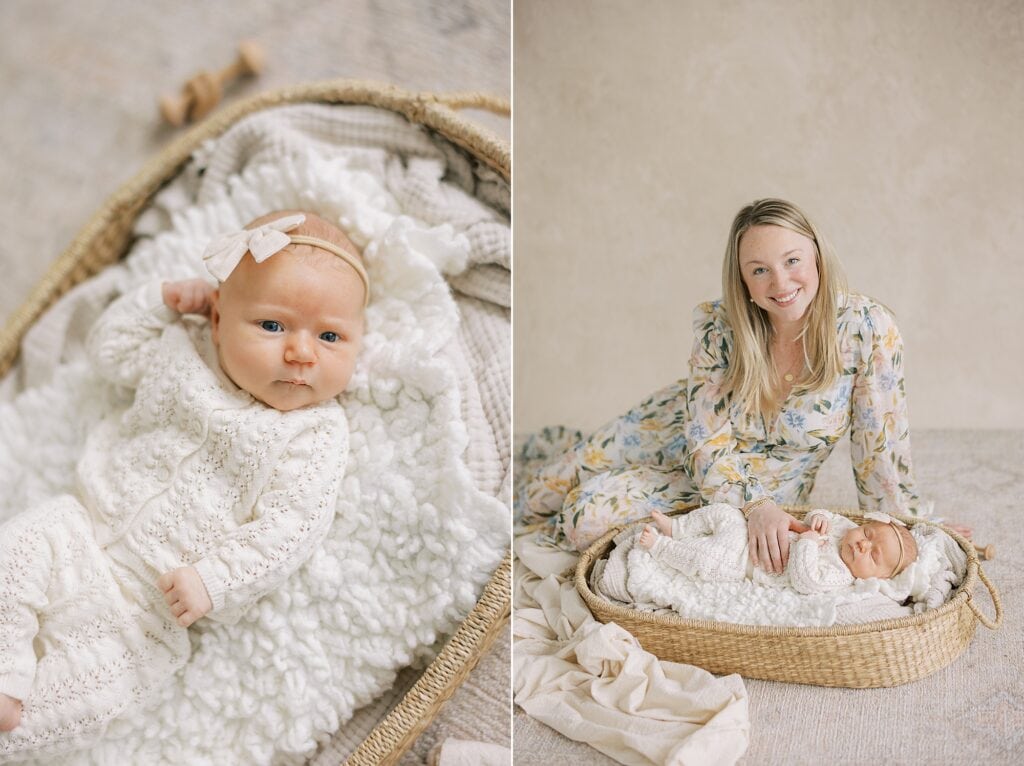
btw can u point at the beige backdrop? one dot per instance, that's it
(641, 129)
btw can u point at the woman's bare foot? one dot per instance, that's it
(10, 713)
(662, 522)
(648, 536)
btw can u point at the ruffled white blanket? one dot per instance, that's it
(421, 520)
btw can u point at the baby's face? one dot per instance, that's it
(288, 330)
(871, 550)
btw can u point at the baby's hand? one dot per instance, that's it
(189, 296)
(185, 594)
(819, 524)
(812, 535)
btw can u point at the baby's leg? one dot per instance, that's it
(708, 543)
(59, 597)
(33, 545)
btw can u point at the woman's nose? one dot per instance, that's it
(299, 349)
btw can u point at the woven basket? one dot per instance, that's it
(869, 655)
(106, 238)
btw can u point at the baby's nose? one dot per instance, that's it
(299, 349)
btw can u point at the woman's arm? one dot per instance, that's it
(723, 474)
(880, 431)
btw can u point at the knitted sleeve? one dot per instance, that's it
(721, 471)
(813, 568)
(291, 517)
(122, 341)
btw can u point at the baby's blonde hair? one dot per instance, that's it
(750, 376)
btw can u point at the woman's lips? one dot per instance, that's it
(787, 299)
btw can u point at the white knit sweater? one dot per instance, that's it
(197, 472)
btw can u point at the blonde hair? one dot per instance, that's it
(750, 376)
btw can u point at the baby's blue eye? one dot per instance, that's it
(271, 326)
(330, 337)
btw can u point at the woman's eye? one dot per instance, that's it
(793, 260)
(330, 337)
(271, 326)
(759, 271)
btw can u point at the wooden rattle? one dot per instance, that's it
(203, 92)
(987, 552)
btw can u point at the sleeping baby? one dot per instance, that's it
(208, 492)
(710, 543)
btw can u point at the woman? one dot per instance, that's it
(782, 367)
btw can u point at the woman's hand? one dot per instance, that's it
(767, 533)
(189, 296)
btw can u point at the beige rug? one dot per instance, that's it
(970, 712)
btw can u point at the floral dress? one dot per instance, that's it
(689, 444)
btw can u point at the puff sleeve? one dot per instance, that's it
(722, 474)
(122, 341)
(880, 429)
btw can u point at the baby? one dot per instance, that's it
(215, 485)
(830, 552)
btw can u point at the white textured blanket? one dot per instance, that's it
(422, 520)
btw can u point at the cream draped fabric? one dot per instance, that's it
(593, 682)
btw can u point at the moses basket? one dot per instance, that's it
(106, 238)
(874, 654)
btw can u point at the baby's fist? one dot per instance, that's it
(819, 524)
(188, 296)
(185, 594)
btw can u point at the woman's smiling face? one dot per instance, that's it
(780, 269)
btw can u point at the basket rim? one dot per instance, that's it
(957, 601)
(433, 110)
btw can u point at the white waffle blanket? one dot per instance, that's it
(422, 518)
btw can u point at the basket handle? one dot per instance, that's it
(991, 624)
(474, 100)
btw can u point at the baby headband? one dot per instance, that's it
(885, 518)
(225, 252)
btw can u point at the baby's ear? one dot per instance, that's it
(214, 317)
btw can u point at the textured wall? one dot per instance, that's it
(641, 129)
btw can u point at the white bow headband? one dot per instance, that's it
(885, 518)
(225, 252)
